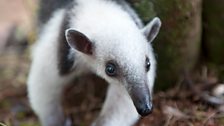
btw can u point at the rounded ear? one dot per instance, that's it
(78, 41)
(151, 30)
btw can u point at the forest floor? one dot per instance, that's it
(179, 106)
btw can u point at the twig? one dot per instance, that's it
(211, 99)
(1, 124)
(204, 96)
(168, 120)
(175, 112)
(209, 117)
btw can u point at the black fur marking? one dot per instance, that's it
(48, 7)
(65, 62)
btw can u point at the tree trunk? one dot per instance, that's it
(213, 33)
(178, 43)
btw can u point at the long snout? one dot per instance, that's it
(142, 100)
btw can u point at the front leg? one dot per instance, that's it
(118, 109)
(45, 88)
(45, 98)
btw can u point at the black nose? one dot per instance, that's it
(141, 98)
(145, 109)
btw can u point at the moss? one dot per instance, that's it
(29, 124)
(177, 45)
(145, 9)
(179, 40)
(213, 24)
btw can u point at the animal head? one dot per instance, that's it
(122, 57)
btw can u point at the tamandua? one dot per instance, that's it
(104, 37)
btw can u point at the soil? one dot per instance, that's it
(179, 106)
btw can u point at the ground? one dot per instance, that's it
(178, 106)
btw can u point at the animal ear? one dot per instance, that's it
(152, 29)
(78, 41)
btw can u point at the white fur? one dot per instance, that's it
(116, 37)
(112, 27)
(156, 23)
(118, 109)
(44, 83)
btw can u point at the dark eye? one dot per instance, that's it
(148, 64)
(110, 69)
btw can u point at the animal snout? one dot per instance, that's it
(145, 109)
(141, 98)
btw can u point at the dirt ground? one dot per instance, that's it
(179, 106)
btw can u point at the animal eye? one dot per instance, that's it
(147, 64)
(110, 69)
